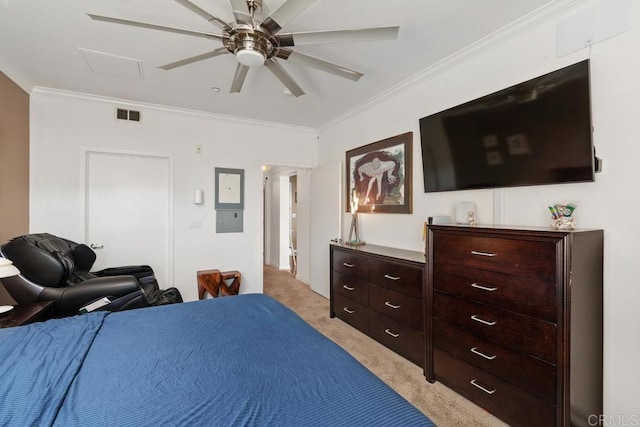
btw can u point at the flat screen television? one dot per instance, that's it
(536, 132)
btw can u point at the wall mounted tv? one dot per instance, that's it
(536, 132)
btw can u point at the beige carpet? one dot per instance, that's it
(443, 406)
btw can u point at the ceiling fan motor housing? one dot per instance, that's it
(251, 48)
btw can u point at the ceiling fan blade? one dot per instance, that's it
(338, 36)
(206, 15)
(241, 12)
(186, 61)
(156, 27)
(318, 64)
(284, 77)
(284, 14)
(238, 79)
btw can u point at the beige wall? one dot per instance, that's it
(14, 163)
(14, 159)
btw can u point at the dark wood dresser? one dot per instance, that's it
(516, 320)
(379, 290)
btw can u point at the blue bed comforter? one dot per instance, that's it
(244, 360)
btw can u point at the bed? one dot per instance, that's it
(234, 361)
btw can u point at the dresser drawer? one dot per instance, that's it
(350, 264)
(535, 259)
(402, 339)
(397, 306)
(351, 312)
(352, 288)
(521, 333)
(501, 398)
(401, 278)
(521, 295)
(528, 373)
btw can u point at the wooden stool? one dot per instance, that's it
(213, 283)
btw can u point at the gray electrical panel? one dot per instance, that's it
(229, 221)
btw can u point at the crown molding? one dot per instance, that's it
(138, 104)
(509, 32)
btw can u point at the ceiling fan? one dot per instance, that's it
(257, 42)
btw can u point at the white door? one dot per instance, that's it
(129, 211)
(326, 216)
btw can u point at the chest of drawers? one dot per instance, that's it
(379, 291)
(515, 317)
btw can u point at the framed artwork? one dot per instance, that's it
(229, 189)
(379, 176)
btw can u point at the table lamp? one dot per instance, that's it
(354, 221)
(7, 269)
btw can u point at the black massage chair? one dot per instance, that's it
(58, 270)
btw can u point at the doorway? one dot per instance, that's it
(293, 224)
(286, 219)
(128, 205)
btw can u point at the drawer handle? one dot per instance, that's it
(347, 287)
(489, 254)
(388, 332)
(475, 350)
(484, 322)
(348, 310)
(388, 304)
(386, 276)
(484, 288)
(474, 383)
(346, 264)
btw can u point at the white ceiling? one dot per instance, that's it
(45, 43)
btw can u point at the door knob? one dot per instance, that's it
(92, 246)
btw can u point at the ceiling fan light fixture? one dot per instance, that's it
(250, 57)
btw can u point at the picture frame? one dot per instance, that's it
(379, 176)
(229, 189)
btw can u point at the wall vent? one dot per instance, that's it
(134, 116)
(130, 115)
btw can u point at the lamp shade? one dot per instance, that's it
(7, 269)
